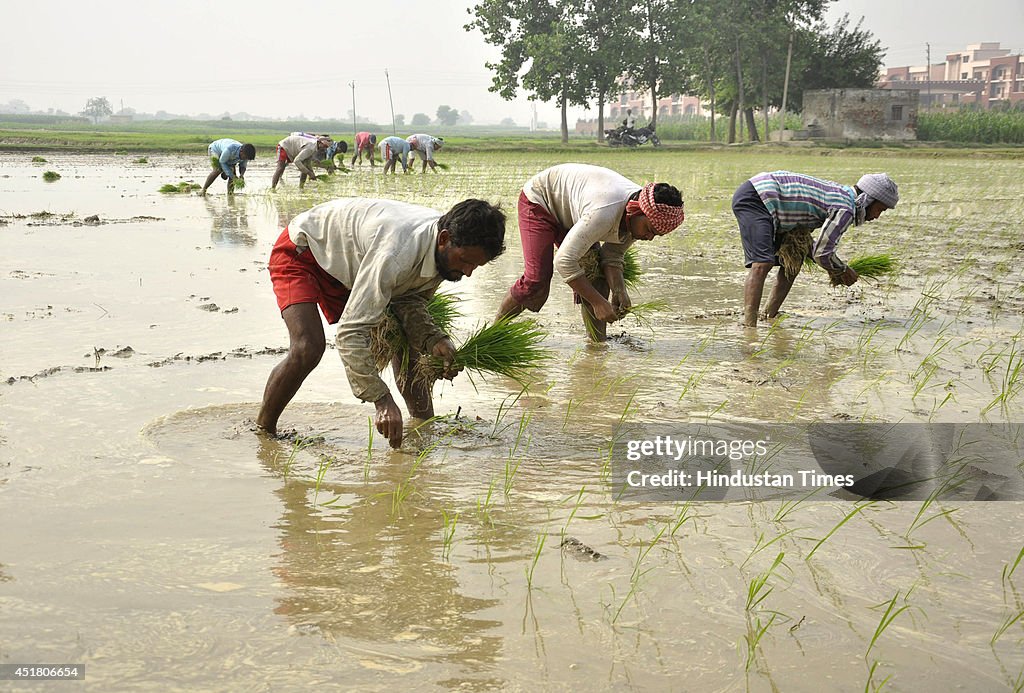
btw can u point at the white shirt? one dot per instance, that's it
(380, 249)
(589, 201)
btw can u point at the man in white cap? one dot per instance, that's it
(777, 211)
(424, 147)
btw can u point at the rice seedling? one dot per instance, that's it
(238, 183)
(541, 539)
(369, 449)
(38, 160)
(849, 516)
(51, 176)
(182, 187)
(631, 270)
(871, 686)
(634, 578)
(752, 638)
(760, 545)
(579, 501)
(321, 472)
(1012, 382)
(140, 160)
(642, 312)
(1008, 569)
(512, 463)
(503, 409)
(510, 348)
(443, 167)
(483, 508)
(866, 266)
(891, 612)
(757, 588)
(451, 520)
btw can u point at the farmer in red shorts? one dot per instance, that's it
(578, 208)
(366, 142)
(355, 257)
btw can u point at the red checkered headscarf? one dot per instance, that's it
(664, 218)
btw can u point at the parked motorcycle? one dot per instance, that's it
(631, 137)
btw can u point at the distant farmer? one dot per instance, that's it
(577, 208)
(225, 155)
(393, 150)
(776, 213)
(424, 147)
(630, 121)
(300, 149)
(326, 157)
(366, 142)
(355, 257)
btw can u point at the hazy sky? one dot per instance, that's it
(282, 59)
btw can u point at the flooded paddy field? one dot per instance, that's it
(151, 535)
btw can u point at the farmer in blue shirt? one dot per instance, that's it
(225, 155)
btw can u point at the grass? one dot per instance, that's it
(182, 187)
(51, 176)
(38, 160)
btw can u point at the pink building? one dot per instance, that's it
(982, 73)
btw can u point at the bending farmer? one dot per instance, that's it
(776, 213)
(355, 257)
(225, 155)
(299, 149)
(577, 207)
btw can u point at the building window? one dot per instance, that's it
(963, 75)
(897, 112)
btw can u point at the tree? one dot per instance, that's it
(97, 107)
(420, 119)
(606, 34)
(841, 57)
(465, 117)
(447, 116)
(507, 123)
(399, 121)
(540, 40)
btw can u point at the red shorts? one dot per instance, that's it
(297, 278)
(282, 155)
(540, 232)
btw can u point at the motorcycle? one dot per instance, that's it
(631, 137)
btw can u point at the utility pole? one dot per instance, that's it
(785, 84)
(929, 69)
(353, 85)
(394, 130)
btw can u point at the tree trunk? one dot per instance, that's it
(565, 121)
(652, 71)
(711, 92)
(600, 116)
(733, 108)
(739, 84)
(764, 88)
(785, 84)
(751, 125)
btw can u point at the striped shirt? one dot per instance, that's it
(798, 201)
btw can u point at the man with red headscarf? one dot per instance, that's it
(576, 207)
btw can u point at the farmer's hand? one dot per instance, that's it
(848, 277)
(389, 420)
(445, 350)
(604, 311)
(621, 302)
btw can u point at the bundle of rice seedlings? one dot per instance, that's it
(182, 187)
(215, 162)
(874, 266)
(631, 272)
(38, 160)
(642, 312)
(507, 347)
(239, 183)
(443, 167)
(141, 160)
(387, 338)
(866, 266)
(50, 176)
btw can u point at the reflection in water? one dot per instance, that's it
(230, 220)
(352, 571)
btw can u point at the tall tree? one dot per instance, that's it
(652, 64)
(446, 115)
(538, 42)
(607, 38)
(97, 107)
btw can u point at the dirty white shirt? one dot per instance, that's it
(589, 201)
(301, 150)
(381, 250)
(422, 145)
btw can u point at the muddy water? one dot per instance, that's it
(150, 535)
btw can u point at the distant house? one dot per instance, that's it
(121, 118)
(861, 114)
(982, 74)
